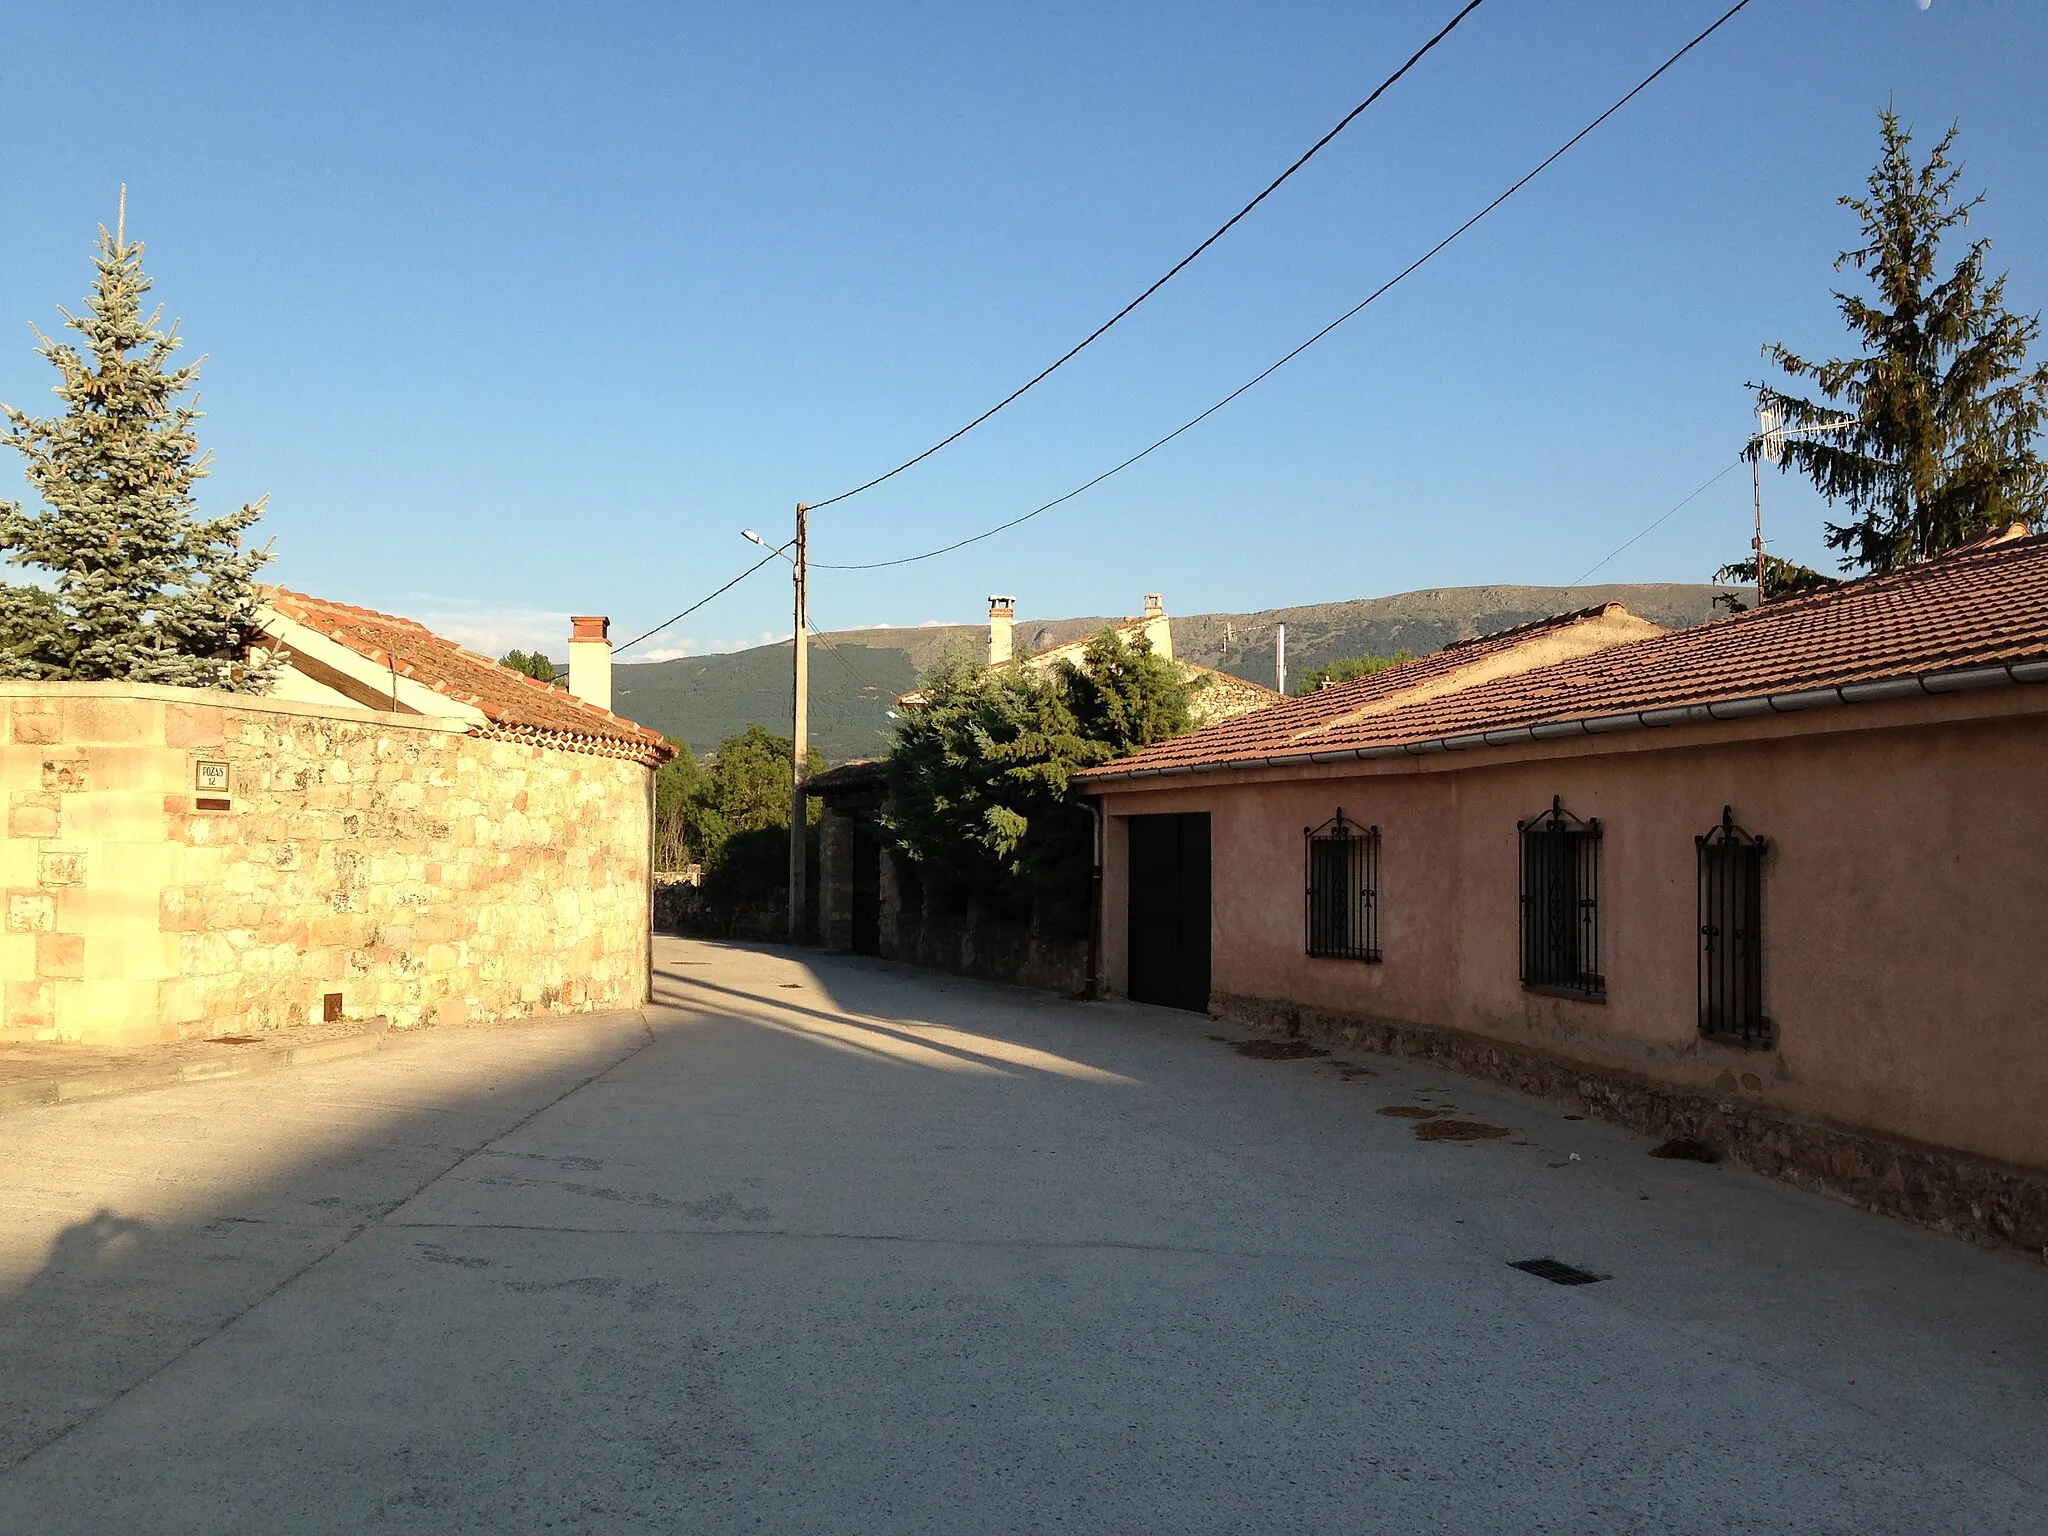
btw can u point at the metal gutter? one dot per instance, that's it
(1946, 680)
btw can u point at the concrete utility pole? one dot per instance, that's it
(1280, 658)
(800, 726)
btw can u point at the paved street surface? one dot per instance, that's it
(827, 1245)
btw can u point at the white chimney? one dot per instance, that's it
(1158, 627)
(1002, 624)
(590, 659)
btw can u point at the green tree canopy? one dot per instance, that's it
(1124, 696)
(1946, 413)
(745, 788)
(980, 775)
(1782, 579)
(530, 664)
(1348, 669)
(678, 783)
(736, 820)
(140, 587)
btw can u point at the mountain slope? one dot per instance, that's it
(856, 675)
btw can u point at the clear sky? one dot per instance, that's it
(515, 311)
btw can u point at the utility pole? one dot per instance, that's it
(800, 726)
(1770, 442)
(1280, 657)
(1756, 489)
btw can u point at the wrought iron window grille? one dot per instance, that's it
(1731, 929)
(1561, 905)
(1341, 886)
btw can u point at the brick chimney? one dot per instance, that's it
(590, 659)
(1002, 624)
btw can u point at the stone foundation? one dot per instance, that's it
(1994, 1204)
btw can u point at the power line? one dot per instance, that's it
(1172, 272)
(1370, 298)
(860, 678)
(1719, 476)
(719, 592)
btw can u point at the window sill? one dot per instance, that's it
(1742, 1043)
(1571, 994)
(1356, 959)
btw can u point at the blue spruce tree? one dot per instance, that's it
(141, 588)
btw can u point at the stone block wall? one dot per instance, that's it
(419, 872)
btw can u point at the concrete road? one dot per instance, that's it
(825, 1245)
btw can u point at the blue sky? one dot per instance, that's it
(515, 311)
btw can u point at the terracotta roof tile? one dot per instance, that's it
(518, 707)
(1985, 606)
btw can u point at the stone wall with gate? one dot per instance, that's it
(181, 863)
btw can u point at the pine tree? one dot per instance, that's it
(1782, 579)
(143, 589)
(1947, 415)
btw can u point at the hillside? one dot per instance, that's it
(856, 678)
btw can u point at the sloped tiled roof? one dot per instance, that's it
(518, 707)
(1983, 608)
(1316, 720)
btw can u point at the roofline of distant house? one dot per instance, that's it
(1875, 691)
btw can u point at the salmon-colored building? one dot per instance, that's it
(1778, 883)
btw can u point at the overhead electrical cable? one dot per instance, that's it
(1719, 476)
(1173, 272)
(718, 592)
(859, 677)
(1355, 309)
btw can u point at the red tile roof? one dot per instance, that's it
(1983, 608)
(518, 707)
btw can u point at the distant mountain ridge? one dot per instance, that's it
(856, 675)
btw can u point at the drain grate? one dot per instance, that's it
(1558, 1273)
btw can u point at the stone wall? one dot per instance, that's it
(420, 873)
(974, 942)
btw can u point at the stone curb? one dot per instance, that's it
(43, 1093)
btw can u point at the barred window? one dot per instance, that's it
(1342, 876)
(1732, 934)
(1561, 904)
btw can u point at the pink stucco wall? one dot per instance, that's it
(1905, 905)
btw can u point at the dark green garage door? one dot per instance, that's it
(1169, 910)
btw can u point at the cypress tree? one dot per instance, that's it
(142, 589)
(1947, 415)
